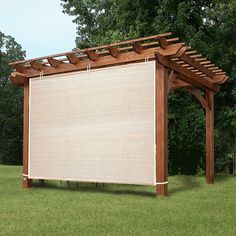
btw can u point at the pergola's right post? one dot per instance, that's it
(210, 171)
(161, 129)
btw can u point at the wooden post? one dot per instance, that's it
(161, 130)
(210, 138)
(27, 183)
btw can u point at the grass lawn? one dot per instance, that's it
(192, 208)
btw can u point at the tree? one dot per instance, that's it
(10, 103)
(209, 27)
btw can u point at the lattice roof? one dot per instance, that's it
(188, 65)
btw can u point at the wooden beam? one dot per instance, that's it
(210, 172)
(162, 42)
(138, 48)
(161, 130)
(96, 48)
(114, 51)
(53, 62)
(197, 65)
(37, 65)
(93, 56)
(105, 61)
(27, 183)
(170, 50)
(180, 52)
(18, 78)
(219, 79)
(187, 73)
(72, 58)
(19, 68)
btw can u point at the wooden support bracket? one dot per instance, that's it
(198, 96)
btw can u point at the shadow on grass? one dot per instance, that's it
(181, 183)
(223, 177)
(97, 188)
(184, 183)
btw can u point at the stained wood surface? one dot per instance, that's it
(26, 182)
(161, 129)
(210, 171)
(94, 126)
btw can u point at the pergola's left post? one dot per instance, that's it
(27, 183)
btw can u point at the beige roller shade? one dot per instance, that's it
(94, 125)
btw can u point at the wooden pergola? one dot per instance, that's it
(177, 67)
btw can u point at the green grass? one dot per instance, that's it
(192, 208)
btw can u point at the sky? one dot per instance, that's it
(39, 27)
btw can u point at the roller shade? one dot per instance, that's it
(96, 125)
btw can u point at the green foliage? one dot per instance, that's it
(10, 103)
(209, 27)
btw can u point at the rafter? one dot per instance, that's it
(93, 56)
(114, 51)
(53, 62)
(187, 73)
(18, 78)
(20, 68)
(162, 42)
(72, 58)
(37, 65)
(193, 68)
(138, 48)
(196, 65)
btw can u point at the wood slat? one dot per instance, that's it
(196, 65)
(201, 59)
(191, 52)
(187, 73)
(196, 56)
